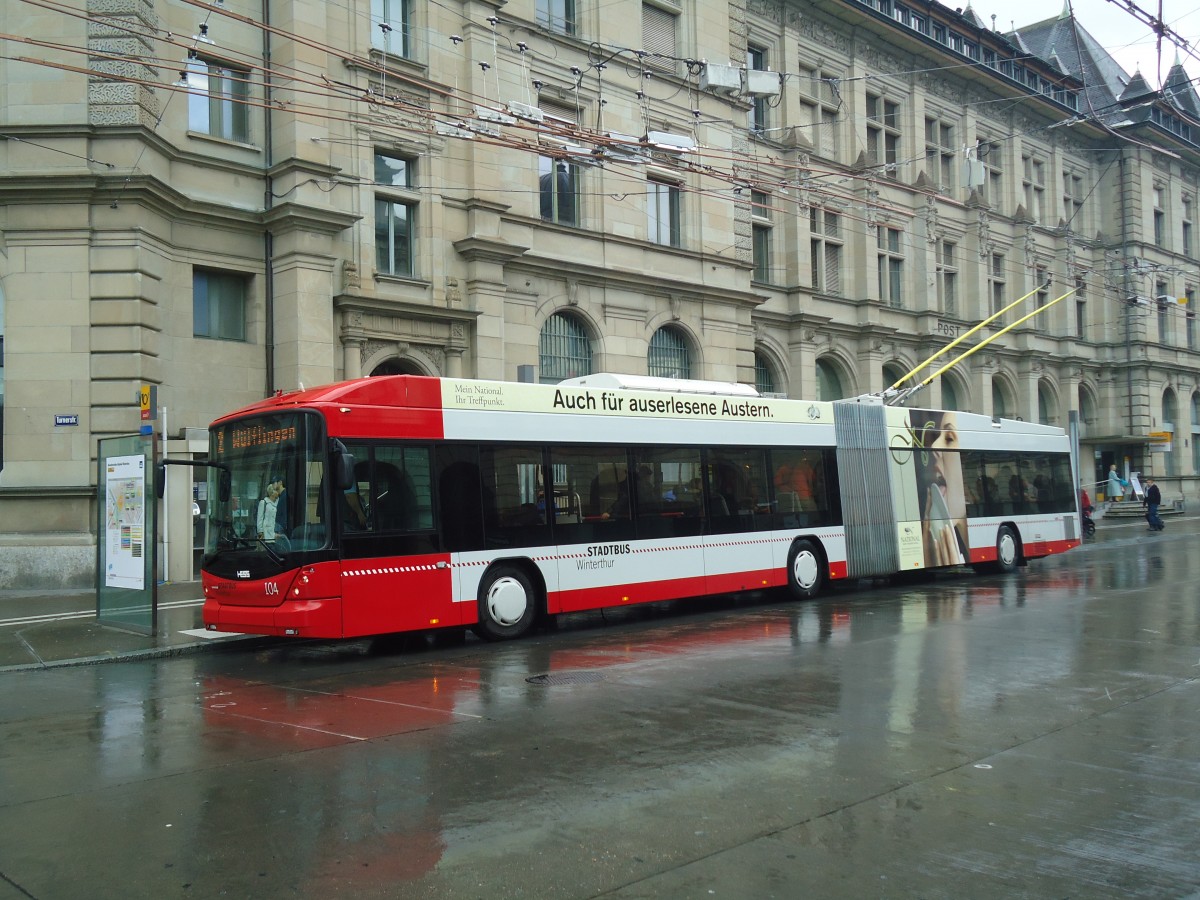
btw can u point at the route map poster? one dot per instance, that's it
(125, 522)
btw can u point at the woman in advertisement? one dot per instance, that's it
(940, 487)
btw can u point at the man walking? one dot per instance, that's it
(1153, 500)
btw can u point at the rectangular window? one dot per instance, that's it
(219, 305)
(756, 59)
(947, 278)
(760, 211)
(1160, 218)
(1189, 319)
(989, 152)
(1081, 323)
(939, 154)
(557, 15)
(1164, 302)
(826, 251)
(1073, 201)
(883, 133)
(1186, 248)
(658, 37)
(395, 216)
(996, 283)
(558, 185)
(1034, 186)
(819, 105)
(391, 26)
(891, 266)
(217, 102)
(393, 237)
(662, 210)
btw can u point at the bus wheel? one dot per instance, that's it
(804, 571)
(507, 604)
(1007, 550)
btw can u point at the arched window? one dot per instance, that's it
(564, 350)
(1047, 405)
(829, 385)
(1196, 434)
(395, 366)
(949, 394)
(891, 374)
(669, 356)
(1170, 414)
(999, 406)
(764, 374)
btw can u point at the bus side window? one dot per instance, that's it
(461, 498)
(402, 497)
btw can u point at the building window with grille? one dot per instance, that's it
(1041, 281)
(662, 212)
(997, 280)
(883, 133)
(939, 154)
(1073, 201)
(391, 26)
(217, 100)
(764, 374)
(1160, 218)
(1034, 187)
(826, 251)
(760, 212)
(819, 105)
(395, 215)
(669, 356)
(756, 59)
(891, 266)
(947, 277)
(564, 350)
(219, 305)
(659, 39)
(557, 15)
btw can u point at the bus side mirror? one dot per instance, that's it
(224, 486)
(343, 473)
(160, 479)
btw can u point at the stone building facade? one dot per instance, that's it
(227, 199)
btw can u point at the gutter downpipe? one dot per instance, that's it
(1126, 280)
(268, 195)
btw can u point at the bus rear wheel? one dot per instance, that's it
(1008, 552)
(507, 604)
(805, 570)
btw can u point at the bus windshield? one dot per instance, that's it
(273, 465)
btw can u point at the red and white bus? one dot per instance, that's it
(404, 503)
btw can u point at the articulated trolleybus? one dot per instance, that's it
(404, 503)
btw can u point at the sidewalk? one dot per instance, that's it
(43, 629)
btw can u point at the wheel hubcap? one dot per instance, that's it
(804, 569)
(506, 601)
(1008, 549)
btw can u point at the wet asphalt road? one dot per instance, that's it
(1025, 736)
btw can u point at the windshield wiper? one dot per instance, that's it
(271, 551)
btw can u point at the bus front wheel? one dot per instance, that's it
(805, 570)
(507, 604)
(1008, 549)
(1008, 552)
